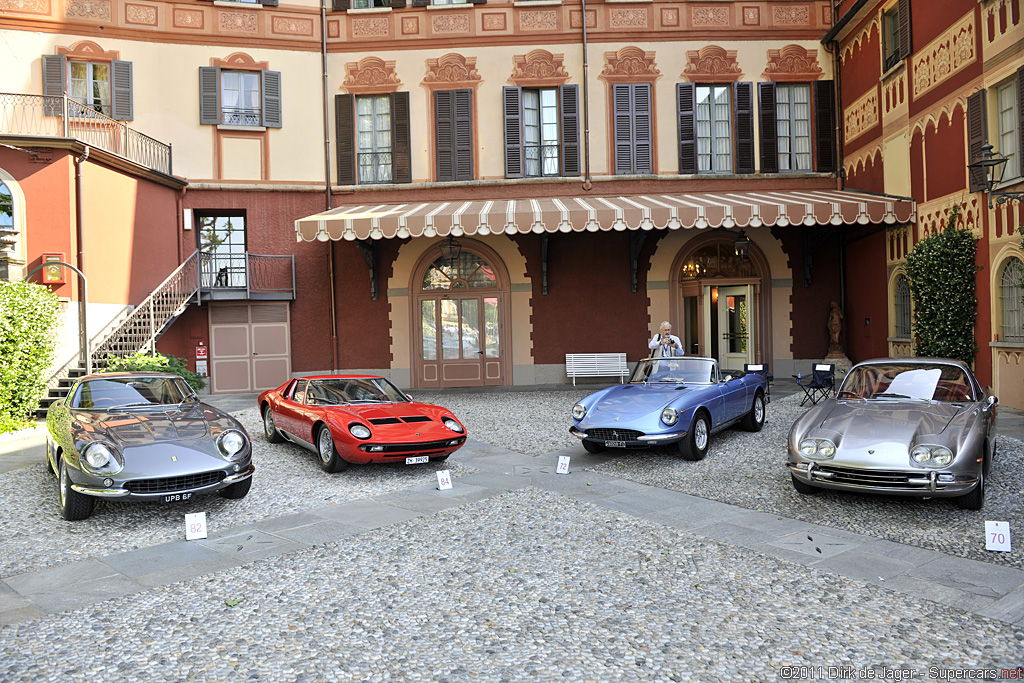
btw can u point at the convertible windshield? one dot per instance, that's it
(353, 390)
(908, 381)
(130, 392)
(676, 370)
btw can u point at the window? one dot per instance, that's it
(104, 87)
(793, 112)
(230, 97)
(366, 4)
(631, 115)
(10, 251)
(374, 143)
(541, 131)
(469, 272)
(716, 128)
(796, 135)
(1009, 119)
(453, 121)
(902, 301)
(1011, 292)
(895, 35)
(222, 249)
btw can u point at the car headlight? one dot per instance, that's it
(670, 416)
(451, 424)
(359, 431)
(817, 449)
(231, 444)
(579, 411)
(931, 456)
(99, 458)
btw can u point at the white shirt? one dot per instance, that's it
(660, 350)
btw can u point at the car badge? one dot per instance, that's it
(174, 459)
(418, 434)
(871, 451)
(615, 434)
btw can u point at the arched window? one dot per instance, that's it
(1011, 291)
(469, 271)
(10, 247)
(902, 301)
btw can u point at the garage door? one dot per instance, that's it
(249, 347)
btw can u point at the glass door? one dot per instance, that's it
(735, 326)
(459, 341)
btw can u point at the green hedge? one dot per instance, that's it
(157, 363)
(941, 270)
(28, 343)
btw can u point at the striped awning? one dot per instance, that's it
(579, 214)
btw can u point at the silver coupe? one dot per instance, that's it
(918, 427)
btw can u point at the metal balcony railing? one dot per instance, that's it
(255, 273)
(63, 117)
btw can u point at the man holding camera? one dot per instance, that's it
(665, 344)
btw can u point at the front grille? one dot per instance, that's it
(172, 484)
(429, 454)
(384, 449)
(878, 478)
(398, 420)
(614, 434)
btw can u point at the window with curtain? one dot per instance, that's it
(540, 132)
(89, 85)
(222, 245)
(373, 138)
(240, 98)
(902, 301)
(9, 244)
(714, 129)
(237, 97)
(891, 38)
(1011, 291)
(1007, 96)
(793, 111)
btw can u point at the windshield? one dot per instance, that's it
(915, 381)
(677, 370)
(353, 390)
(120, 392)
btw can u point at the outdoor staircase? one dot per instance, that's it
(138, 330)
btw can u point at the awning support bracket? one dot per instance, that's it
(369, 251)
(636, 243)
(544, 264)
(813, 238)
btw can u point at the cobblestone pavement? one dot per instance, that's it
(609, 573)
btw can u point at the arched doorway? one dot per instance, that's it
(461, 298)
(721, 301)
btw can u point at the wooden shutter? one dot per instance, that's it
(398, 4)
(340, 5)
(54, 84)
(401, 139)
(768, 116)
(906, 44)
(121, 90)
(269, 3)
(743, 104)
(686, 103)
(512, 97)
(569, 96)
(444, 134)
(643, 161)
(977, 133)
(209, 95)
(420, 3)
(463, 134)
(345, 125)
(622, 117)
(825, 125)
(270, 88)
(1020, 121)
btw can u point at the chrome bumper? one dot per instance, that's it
(930, 483)
(99, 492)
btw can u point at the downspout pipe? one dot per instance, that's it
(327, 182)
(80, 260)
(587, 185)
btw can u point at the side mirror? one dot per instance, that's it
(409, 396)
(992, 401)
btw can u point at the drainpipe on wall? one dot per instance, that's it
(586, 103)
(80, 259)
(327, 181)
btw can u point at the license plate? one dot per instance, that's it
(417, 459)
(175, 497)
(615, 444)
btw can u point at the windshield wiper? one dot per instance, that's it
(901, 396)
(142, 405)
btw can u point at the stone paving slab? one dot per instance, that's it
(250, 545)
(366, 514)
(136, 563)
(72, 586)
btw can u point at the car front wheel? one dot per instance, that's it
(754, 420)
(975, 499)
(237, 490)
(330, 461)
(695, 445)
(73, 505)
(269, 428)
(593, 446)
(802, 488)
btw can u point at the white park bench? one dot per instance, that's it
(596, 365)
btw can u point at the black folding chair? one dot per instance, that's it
(761, 369)
(819, 384)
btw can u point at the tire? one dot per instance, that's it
(269, 428)
(441, 459)
(754, 420)
(237, 490)
(804, 489)
(593, 446)
(695, 446)
(330, 461)
(975, 499)
(73, 505)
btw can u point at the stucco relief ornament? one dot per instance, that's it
(88, 9)
(712, 62)
(238, 21)
(537, 68)
(629, 18)
(792, 15)
(536, 21)
(36, 6)
(451, 23)
(140, 14)
(710, 16)
(371, 74)
(370, 27)
(792, 62)
(629, 61)
(452, 68)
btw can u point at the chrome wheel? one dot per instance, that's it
(700, 434)
(269, 428)
(325, 445)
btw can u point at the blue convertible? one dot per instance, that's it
(670, 400)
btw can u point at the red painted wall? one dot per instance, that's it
(867, 297)
(946, 159)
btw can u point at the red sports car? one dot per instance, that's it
(358, 419)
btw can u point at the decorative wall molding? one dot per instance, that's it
(494, 21)
(240, 22)
(857, 41)
(88, 51)
(538, 20)
(291, 26)
(711, 63)
(371, 27)
(792, 63)
(142, 15)
(370, 76)
(189, 18)
(97, 10)
(861, 115)
(450, 23)
(576, 19)
(944, 56)
(25, 6)
(794, 15)
(538, 69)
(239, 61)
(751, 16)
(630, 64)
(670, 16)
(867, 156)
(628, 17)
(451, 71)
(710, 16)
